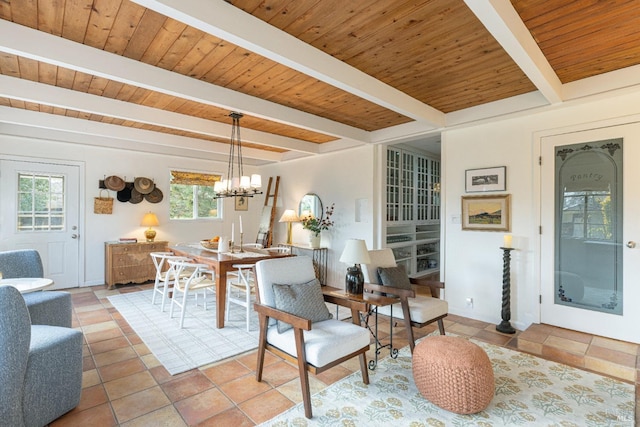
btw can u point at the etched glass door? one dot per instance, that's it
(588, 232)
(589, 210)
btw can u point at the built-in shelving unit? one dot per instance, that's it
(413, 211)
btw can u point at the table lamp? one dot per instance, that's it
(355, 252)
(289, 216)
(150, 220)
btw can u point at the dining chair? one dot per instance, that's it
(240, 288)
(296, 325)
(164, 273)
(200, 278)
(383, 276)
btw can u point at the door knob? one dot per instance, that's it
(631, 244)
(74, 236)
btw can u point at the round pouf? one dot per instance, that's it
(453, 373)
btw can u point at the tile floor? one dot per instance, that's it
(124, 384)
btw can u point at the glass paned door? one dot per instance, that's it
(589, 210)
(588, 232)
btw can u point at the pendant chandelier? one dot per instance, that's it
(236, 184)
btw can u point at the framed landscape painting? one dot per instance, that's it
(487, 179)
(487, 213)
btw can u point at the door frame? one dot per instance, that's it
(538, 136)
(81, 202)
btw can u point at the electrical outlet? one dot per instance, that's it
(469, 302)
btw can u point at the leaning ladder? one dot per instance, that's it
(265, 232)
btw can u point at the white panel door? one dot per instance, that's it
(40, 210)
(590, 263)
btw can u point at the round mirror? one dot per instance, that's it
(310, 204)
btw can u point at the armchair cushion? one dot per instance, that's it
(326, 342)
(394, 276)
(302, 299)
(421, 309)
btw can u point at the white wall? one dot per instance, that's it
(125, 220)
(346, 179)
(473, 260)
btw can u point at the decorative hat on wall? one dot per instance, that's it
(136, 196)
(155, 196)
(143, 185)
(124, 195)
(114, 183)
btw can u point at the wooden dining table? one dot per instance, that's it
(221, 263)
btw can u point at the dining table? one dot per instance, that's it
(221, 263)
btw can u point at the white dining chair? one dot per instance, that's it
(163, 284)
(240, 289)
(201, 278)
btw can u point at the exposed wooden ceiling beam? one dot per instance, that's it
(503, 22)
(113, 135)
(25, 90)
(23, 41)
(218, 18)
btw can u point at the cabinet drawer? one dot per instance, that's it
(131, 259)
(130, 274)
(125, 249)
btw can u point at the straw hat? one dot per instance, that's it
(114, 183)
(136, 196)
(155, 196)
(143, 185)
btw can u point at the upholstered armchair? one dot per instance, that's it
(296, 325)
(45, 308)
(40, 366)
(382, 275)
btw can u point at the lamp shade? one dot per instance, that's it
(289, 216)
(355, 252)
(149, 220)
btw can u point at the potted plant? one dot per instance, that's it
(317, 225)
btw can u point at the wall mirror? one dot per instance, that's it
(310, 204)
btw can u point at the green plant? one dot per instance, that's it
(316, 225)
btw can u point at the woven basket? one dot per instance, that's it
(103, 205)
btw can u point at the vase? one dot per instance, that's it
(314, 240)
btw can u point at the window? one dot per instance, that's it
(40, 202)
(191, 196)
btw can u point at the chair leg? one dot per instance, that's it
(441, 326)
(407, 323)
(262, 343)
(364, 369)
(248, 306)
(302, 371)
(184, 309)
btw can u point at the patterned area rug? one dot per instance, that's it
(198, 343)
(529, 391)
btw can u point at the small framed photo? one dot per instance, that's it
(486, 213)
(242, 203)
(487, 179)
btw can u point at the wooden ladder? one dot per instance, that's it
(265, 232)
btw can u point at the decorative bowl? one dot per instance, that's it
(208, 244)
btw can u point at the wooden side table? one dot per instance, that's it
(130, 262)
(372, 301)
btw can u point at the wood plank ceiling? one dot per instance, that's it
(445, 56)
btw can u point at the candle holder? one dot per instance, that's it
(505, 326)
(231, 248)
(241, 244)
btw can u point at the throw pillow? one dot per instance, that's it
(394, 276)
(303, 299)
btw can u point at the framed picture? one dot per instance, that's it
(487, 179)
(242, 203)
(487, 213)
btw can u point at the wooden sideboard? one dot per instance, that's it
(130, 262)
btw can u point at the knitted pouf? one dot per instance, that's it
(453, 373)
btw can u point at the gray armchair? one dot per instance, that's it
(40, 366)
(45, 308)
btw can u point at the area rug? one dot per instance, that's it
(529, 391)
(198, 343)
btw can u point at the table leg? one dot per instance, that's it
(221, 296)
